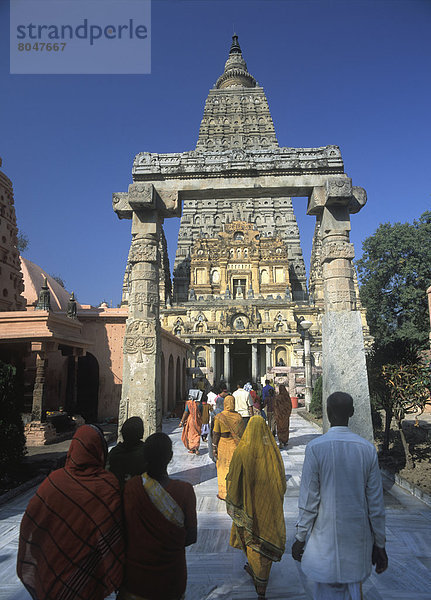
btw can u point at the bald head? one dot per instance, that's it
(340, 408)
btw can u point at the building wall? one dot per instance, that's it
(104, 328)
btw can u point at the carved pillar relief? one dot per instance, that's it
(142, 351)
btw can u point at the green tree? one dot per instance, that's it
(393, 353)
(409, 390)
(395, 271)
(22, 242)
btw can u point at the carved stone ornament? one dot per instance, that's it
(142, 251)
(140, 338)
(333, 250)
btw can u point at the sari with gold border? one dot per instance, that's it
(256, 484)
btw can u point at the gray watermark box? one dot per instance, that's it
(80, 37)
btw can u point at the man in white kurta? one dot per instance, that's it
(341, 512)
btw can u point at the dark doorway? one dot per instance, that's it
(240, 360)
(88, 387)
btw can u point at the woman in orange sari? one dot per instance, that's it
(228, 429)
(191, 422)
(282, 412)
(256, 484)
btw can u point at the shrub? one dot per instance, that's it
(316, 399)
(12, 439)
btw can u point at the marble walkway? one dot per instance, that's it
(216, 570)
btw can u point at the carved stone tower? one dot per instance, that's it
(237, 118)
(11, 280)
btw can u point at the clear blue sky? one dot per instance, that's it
(352, 73)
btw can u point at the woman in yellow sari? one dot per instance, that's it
(256, 484)
(228, 429)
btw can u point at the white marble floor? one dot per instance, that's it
(215, 571)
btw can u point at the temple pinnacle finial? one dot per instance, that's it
(235, 47)
(235, 70)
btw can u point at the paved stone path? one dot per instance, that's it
(216, 570)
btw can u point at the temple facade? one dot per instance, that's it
(240, 287)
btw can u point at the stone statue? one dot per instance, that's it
(71, 307)
(239, 324)
(44, 300)
(192, 294)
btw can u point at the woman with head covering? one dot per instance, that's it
(282, 412)
(192, 423)
(161, 521)
(228, 429)
(257, 404)
(71, 541)
(205, 418)
(256, 484)
(218, 407)
(126, 459)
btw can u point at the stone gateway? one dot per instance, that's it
(239, 290)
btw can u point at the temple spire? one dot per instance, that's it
(235, 47)
(235, 70)
(236, 114)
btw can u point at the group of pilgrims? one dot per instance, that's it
(117, 522)
(220, 419)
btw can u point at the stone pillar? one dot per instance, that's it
(308, 374)
(343, 353)
(226, 365)
(39, 389)
(255, 281)
(268, 355)
(213, 360)
(141, 390)
(254, 361)
(223, 277)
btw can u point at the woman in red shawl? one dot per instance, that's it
(192, 422)
(282, 411)
(71, 543)
(161, 521)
